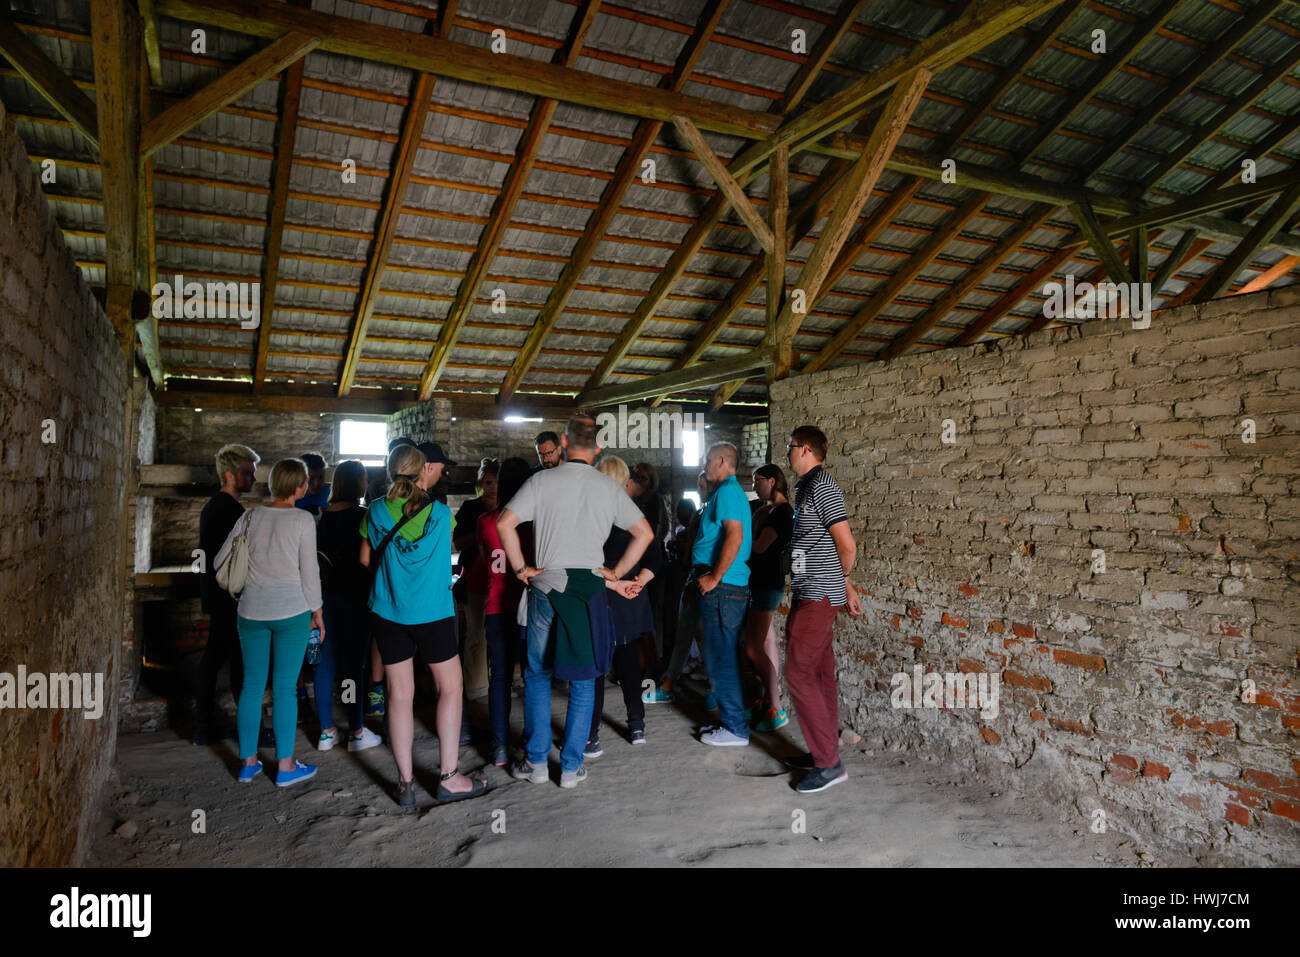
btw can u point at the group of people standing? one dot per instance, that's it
(567, 572)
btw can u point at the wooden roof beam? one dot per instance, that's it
(1272, 220)
(50, 82)
(704, 374)
(611, 199)
(226, 89)
(530, 142)
(117, 75)
(386, 229)
(983, 22)
(152, 51)
(726, 182)
(473, 64)
(712, 212)
(285, 135)
(1096, 236)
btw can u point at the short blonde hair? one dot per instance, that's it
(615, 468)
(230, 457)
(287, 476)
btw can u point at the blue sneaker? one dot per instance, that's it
(658, 696)
(249, 771)
(300, 773)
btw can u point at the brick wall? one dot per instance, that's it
(186, 437)
(62, 508)
(1126, 691)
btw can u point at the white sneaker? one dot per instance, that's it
(570, 779)
(721, 737)
(327, 740)
(364, 740)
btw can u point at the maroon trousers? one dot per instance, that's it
(810, 677)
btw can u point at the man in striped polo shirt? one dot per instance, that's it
(822, 551)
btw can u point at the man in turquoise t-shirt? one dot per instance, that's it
(720, 577)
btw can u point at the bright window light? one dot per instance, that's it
(364, 439)
(520, 418)
(690, 447)
(694, 497)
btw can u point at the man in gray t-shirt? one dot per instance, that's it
(573, 508)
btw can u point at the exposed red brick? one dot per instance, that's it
(1246, 797)
(1120, 776)
(897, 619)
(1022, 630)
(1017, 680)
(1238, 815)
(1062, 725)
(991, 736)
(913, 611)
(1013, 644)
(970, 591)
(1193, 801)
(1222, 729)
(1291, 722)
(1152, 770)
(996, 627)
(1092, 662)
(953, 620)
(1124, 761)
(1263, 779)
(1184, 523)
(916, 641)
(1037, 715)
(1286, 809)
(965, 664)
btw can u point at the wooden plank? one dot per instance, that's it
(146, 326)
(152, 52)
(50, 82)
(224, 90)
(1095, 234)
(778, 207)
(611, 199)
(704, 374)
(852, 194)
(826, 43)
(117, 73)
(1270, 275)
(1173, 262)
(1137, 257)
(285, 136)
(530, 141)
(726, 182)
(983, 22)
(1273, 219)
(473, 64)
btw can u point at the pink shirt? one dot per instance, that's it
(501, 587)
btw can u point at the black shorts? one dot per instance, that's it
(434, 640)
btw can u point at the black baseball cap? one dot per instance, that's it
(433, 453)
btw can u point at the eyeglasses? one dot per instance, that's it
(794, 445)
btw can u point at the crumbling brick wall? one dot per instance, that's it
(64, 411)
(1163, 692)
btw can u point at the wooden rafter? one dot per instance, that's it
(117, 73)
(1270, 275)
(403, 164)
(1270, 222)
(1092, 230)
(611, 200)
(530, 142)
(285, 135)
(1173, 262)
(146, 326)
(224, 90)
(152, 51)
(734, 192)
(51, 82)
(473, 64)
(712, 212)
(704, 374)
(778, 205)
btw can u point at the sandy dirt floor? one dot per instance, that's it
(670, 802)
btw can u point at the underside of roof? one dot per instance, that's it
(528, 245)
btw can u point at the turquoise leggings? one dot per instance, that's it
(288, 637)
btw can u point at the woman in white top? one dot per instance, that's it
(280, 605)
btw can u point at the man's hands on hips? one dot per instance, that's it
(707, 582)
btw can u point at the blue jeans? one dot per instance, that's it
(503, 651)
(345, 652)
(721, 613)
(539, 662)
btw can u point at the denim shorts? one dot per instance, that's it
(766, 599)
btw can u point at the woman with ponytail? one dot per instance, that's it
(406, 541)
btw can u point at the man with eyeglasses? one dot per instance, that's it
(547, 445)
(822, 552)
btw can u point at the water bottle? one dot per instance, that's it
(313, 647)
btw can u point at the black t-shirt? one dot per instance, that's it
(765, 568)
(218, 517)
(338, 540)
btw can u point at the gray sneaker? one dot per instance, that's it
(819, 779)
(525, 770)
(570, 779)
(638, 737)
(721, 737)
